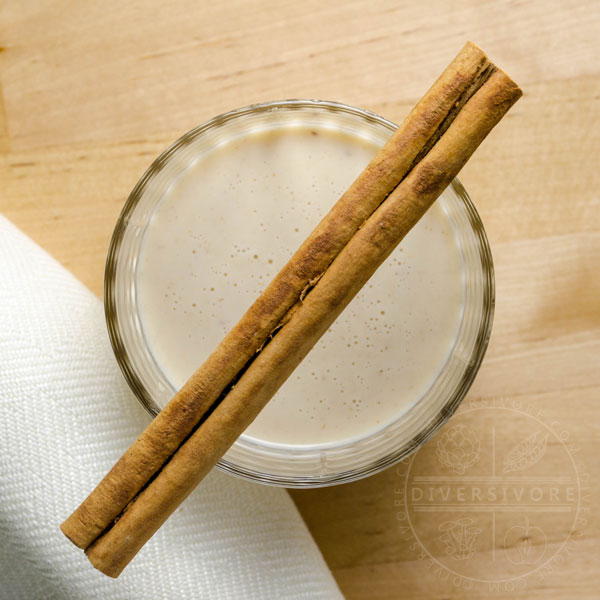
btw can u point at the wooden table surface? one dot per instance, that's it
(91, 92)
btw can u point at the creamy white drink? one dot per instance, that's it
(229, 223)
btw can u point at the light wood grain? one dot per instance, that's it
(91, 92)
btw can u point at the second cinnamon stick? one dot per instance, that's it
(311, 317)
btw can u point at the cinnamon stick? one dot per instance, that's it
(202, 421)
(175, 422)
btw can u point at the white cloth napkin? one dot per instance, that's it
(66, 415)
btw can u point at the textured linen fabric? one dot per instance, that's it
(66, 415)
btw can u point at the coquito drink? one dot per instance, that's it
(227, 225)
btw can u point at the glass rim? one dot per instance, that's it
(294, 481)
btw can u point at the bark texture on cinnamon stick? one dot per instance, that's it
(226, 393)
